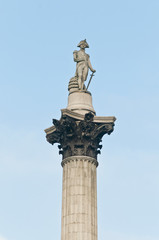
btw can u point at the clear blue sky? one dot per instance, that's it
(36, 63)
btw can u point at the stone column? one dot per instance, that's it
(79, 138)
(79, 199)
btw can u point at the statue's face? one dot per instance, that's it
(83, 46)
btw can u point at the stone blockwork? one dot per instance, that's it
(79, 199)
(79, 135)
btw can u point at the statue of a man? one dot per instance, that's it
(83, 64)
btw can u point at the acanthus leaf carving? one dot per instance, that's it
(79, 137)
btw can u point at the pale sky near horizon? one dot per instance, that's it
(37, 41)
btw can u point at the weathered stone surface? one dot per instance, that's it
(79, 199)
(80, 102)
(79, 137)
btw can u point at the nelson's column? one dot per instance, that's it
(79, 133)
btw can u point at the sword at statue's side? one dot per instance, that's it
(90, 80)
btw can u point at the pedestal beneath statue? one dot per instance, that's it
(80, 102)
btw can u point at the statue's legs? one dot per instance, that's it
(80, 81)
(80, 76)
(82, 72)
(85, 74)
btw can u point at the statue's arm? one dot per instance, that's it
(90, 66)
(75, 57)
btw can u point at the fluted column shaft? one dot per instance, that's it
(79, 199)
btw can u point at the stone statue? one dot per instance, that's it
(83, 64)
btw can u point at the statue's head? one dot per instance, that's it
(83, 44)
